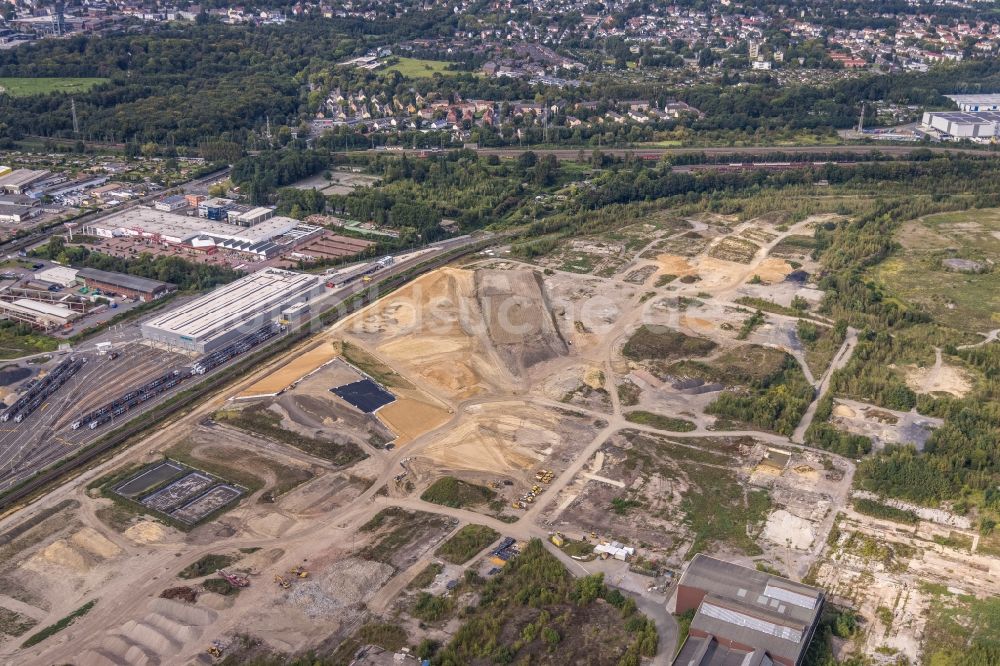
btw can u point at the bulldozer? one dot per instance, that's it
(299, 572)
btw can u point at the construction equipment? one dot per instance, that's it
(536, 489)
(299, 572)
(280, 580)
(558, 539)
(214, 651)
(235, 580)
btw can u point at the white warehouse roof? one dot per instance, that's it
(235, 304)
(61, 275)
(176, 228)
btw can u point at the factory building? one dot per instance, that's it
(19, 180)
(13, 214)
(980, 125)
(744, 616)
(232, 310)
(171, 203)
(35, 313)
(60, 275)
(120, 284)
(264, 238)
(987, 102)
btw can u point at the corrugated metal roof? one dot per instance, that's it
(123, 280)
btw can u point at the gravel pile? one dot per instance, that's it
(345, 584)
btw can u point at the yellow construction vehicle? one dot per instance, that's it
(536, 489)
(214, 651)
(299, 572)
(280, 580)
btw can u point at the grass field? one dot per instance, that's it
(23, 87)
(414, 68)
(467, 542)
(659, 421)
(449, 491)
(14, 344)
(918, 276)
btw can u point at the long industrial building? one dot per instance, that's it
(983, 102)
(267, 238)
(981, 125)
(232, 310)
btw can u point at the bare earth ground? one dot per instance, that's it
(502, 371)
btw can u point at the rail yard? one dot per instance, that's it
(79, 398)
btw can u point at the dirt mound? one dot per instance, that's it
(844, 410)
(78, 553)
(518, 318)
(594, 378)
(166, 630)
(95, 543)
(432, 330)
(61, 554)
(182, 593)
(773, 270)
(498, 437)
(146, 532)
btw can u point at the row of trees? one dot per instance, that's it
(188, 276)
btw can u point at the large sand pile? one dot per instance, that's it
(78, 553)
(432, 330)
(146, 532)
(497, 438)
(96, 543)
(168, 629)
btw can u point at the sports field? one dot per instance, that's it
(415, 68)
(23, 87)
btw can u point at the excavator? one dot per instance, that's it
(280, 580)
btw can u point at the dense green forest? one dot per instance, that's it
(550, 618)
(202, 85)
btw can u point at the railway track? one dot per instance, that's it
(361, 296)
